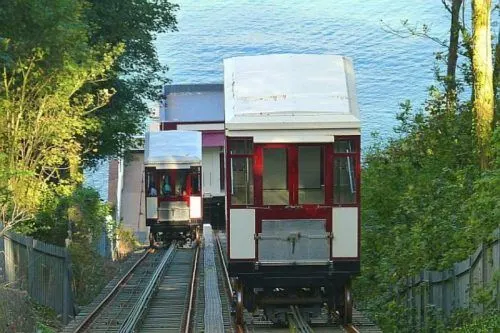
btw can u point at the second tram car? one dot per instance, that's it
(172, 161)
(292, 131)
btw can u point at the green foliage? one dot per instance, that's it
(482, 323)
(138, 74)
(54, 26)
(82, 212)
(127, 242)
(16, 312)
(87, 214)
(47, 319)
(62, 62)
(426, 205)
(91, 272)
(46, 104)
(485, 320)
(42, 328)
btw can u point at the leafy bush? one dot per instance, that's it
(48, 321)
(82, 212)
(16, 313)
(91, 272)
(425, 203)
(127, 242)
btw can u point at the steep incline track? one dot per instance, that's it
(114, 309)
(167, 310)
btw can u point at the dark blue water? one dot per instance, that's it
(389, 69)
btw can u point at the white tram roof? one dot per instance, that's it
(172, 149)
(290, 92)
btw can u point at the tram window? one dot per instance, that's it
(344, 146)
(344, 187)
(241, 181)
(166, 188)
(181, 182)
(152, 191)
(195, 180)
(311, 180)
(274, 177)
(240, 147)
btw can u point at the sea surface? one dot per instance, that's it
(389, 68)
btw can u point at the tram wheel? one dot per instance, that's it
(249, 301)
(239, 304)
(152, 239)
(198, 235)
(347, 304)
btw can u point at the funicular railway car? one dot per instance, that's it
(172, 162)
(292, 131)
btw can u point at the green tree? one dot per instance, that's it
(67, 29)
(45, 106)
(137, 76)
(426, 203)
(482, 67)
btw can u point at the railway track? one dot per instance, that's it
(186, 290)
(168, 310)
(161, 292)
(114, 311)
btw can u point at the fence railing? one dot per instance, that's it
(439, 293)
(42, 269)
(2, 258)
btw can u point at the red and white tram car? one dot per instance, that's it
(292, 131)
(172, 162)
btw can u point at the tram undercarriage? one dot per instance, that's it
(185, 235)
(313, 295)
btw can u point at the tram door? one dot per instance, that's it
(292, 199)
(292, 176)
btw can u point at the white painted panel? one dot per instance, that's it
(205, 171)
(241, 233)
(306, 134)
(290, 137)
(152, 207)
(195, 207)
(132, 199)
(345, 232)
(201, 127)
(211, 172)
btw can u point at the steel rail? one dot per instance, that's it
(350, 328)
(239, 328)
(91, 316)
(226, 273)
(302, 326)
(191, 293)
(133, 318)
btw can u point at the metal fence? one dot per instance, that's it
(437, 294)
(43, 270)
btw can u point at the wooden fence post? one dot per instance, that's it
(3, 274)
(31, 266)
(66, 287)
